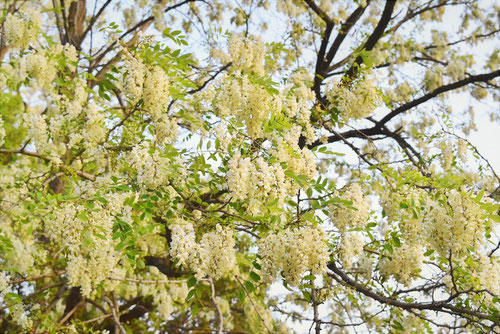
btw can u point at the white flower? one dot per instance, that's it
(294, 252)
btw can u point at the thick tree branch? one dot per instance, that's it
(379, 127)
(443, 89)
(438, 306)
(324, 16)
(374, 37)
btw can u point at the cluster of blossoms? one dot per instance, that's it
(86, 235)
(258, 181)
(344, 217)
(249, 102)
(39, 67)
(246, 55)
(351, 245)
(454, 224)
(164, 296)
(356, 100)
(294, 252)
(403, 264)
(21, 31)
(150, 83)
(405, 206)
(297, 104)
(152, 169)
(489, 273)
(299, 160)
(213, 256)
(4, 283)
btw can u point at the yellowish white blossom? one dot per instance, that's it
(356, 100)
(156, 91)
(454, 225)
(294, 252)
(21, 31)
(404, 264)
(344, 217)
(214, 255)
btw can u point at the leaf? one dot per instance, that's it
(254, 276)
(190, 294)
(429, 252)
(309, 278)
(290, 174)
(397, 242)
(191, 282)
(249, 286)
(241, 295)
(256, 265)
(82, 216)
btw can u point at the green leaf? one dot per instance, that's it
(249, 286)
(429, 252)
(82, 216)
(495, 218)
(241, 295)
(397, 242)
(190, 294)
(309, 278)
(290, 174)
(256, 265)
(254, 276)
(100, 236)
(191, 282)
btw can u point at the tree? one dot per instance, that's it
(167, 166)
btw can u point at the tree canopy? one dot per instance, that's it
(248, 166)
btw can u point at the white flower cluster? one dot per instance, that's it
(152, 85)
(213, 256)
(246, 54)
(456, 68)
(403, 206)
(36, 123)
(356, 101)
(351, 245)
(74, 225)
(223, 135)
(95, 127)
(133, 80)
(4, 283)
(249, 102)
(433, 78)
(298, 104)
(294, 252)
(489, 276)
(454, 225)
(345, 217)
(20, 32)
(257, 182)
(156, 93)
(39, 67)
(152, 169)
(95, 268)
(299, 160)
(404, 263)
(20, 316)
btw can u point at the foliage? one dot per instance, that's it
(247, 166)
